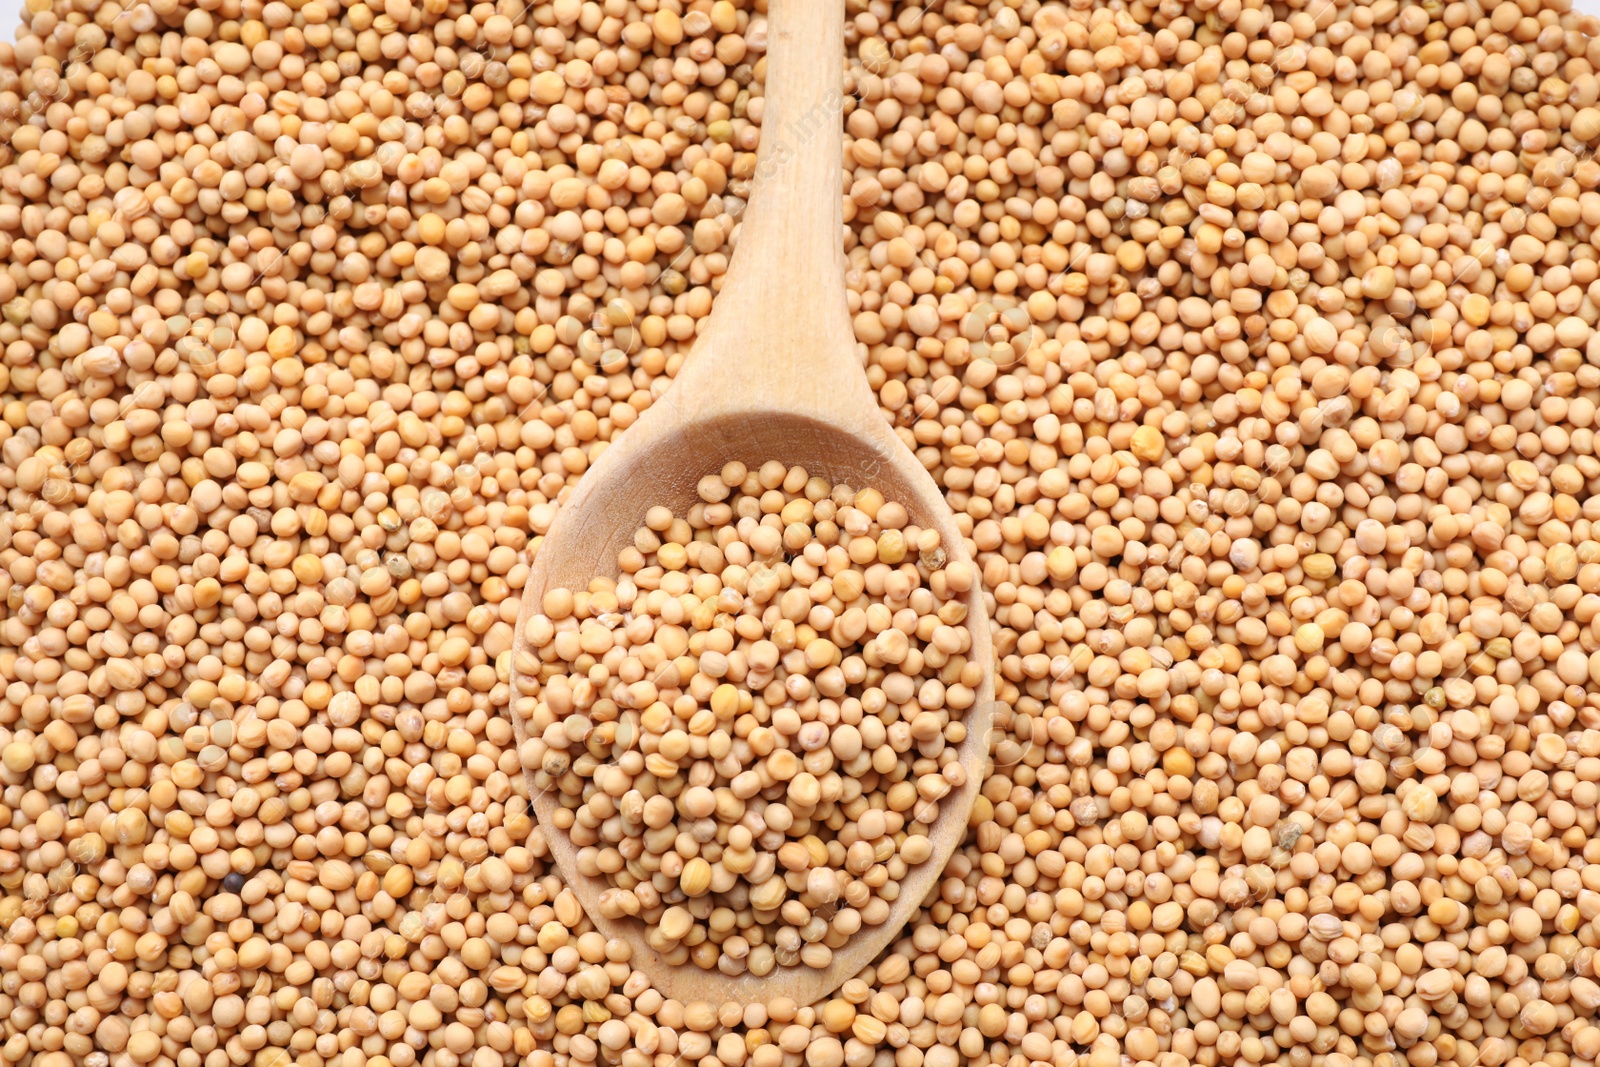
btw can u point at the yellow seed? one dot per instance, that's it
(17, 757)
(769, 895)
(1062, 563)
(1319, 565)
(1308, 638)
(696, 877)
(1421, 804)
(675, 923)
(868, 1030)
(1148, 444)
(838, 1015)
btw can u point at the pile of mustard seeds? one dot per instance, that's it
(1251, 342)
(749, 732)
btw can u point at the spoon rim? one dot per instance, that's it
(928, 508)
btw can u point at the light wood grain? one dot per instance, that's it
(777, 375)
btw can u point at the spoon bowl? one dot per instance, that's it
(777, 375)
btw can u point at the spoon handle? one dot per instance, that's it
(780, 335)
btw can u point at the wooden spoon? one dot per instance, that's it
(776, 375)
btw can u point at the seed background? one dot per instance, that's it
(586, 998)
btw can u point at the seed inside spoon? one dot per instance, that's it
(751, 729)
